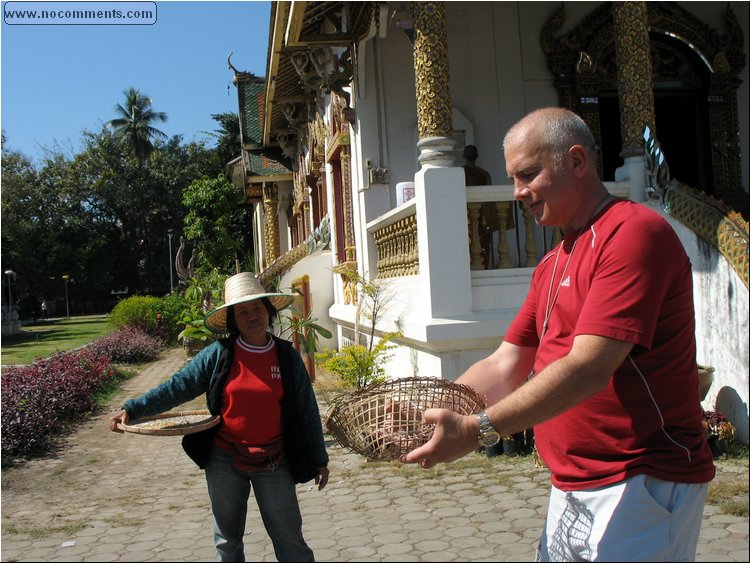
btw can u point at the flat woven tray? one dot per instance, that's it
(172, 423)
(384, 421)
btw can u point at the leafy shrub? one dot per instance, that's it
(128, 345)
(169, 314)
(38, 399)
(142, 312)
(358, 365)
(160, 317)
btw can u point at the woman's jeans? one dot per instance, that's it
(276, 495)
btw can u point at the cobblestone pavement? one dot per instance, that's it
(108, 497)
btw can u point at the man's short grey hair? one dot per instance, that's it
(558, 129)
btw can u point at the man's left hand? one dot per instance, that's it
(455, 436)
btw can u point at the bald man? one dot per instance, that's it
(600, 360)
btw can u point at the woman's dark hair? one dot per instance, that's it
(272, 316)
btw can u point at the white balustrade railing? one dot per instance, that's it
(502, 233)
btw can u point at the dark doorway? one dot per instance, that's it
(611, 135)
(682, 130)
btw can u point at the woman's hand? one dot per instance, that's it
(321, 478)
(120, 417)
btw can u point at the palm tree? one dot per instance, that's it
(134, 122)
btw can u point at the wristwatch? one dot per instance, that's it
(488, 436)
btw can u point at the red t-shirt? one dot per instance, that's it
(629, 279)
(251, 402)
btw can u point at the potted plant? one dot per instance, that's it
(705, 379)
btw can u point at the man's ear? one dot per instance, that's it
(579, 160)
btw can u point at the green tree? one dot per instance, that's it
(48, 230)
(23, 210)
(135, 120)
(214, 222)
(227, 136)
(102, 217)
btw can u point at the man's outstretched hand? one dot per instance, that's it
(455, 436)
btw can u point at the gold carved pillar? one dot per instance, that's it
(271, 228)
(350, 250)
(434, 105)
(636, 91)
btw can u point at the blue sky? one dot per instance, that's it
(59, 80)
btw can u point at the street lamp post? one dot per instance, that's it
(66, 277)
(11, 274)
(171, 278)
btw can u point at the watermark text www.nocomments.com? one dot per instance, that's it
(79, 13)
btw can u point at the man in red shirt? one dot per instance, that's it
(600, 360)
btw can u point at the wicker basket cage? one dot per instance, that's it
(384, 420)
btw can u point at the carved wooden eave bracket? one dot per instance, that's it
(311, 54)
(288, 141)
(323, 69)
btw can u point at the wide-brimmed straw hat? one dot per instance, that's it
(241, 288)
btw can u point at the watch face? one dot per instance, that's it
(489, 438)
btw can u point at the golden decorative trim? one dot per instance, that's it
(271, 227)
(316, 241)
(434, 103)
(709, 218)
(398, 248)
(341, 139)
(316, 135)
(348, 211)
(632, 52)
(351, 295)
(283, 263)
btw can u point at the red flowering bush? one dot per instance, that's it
(38, 399)
(128, 345)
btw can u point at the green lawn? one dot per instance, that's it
(48, 337)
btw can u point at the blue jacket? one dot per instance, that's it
(302, 430)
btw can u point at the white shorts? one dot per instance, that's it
(639, 519)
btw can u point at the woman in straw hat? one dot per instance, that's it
(270, 437)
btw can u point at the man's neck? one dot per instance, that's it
(585, 218)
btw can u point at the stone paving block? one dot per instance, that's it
(406, 558)
(395, 548)
(106, 557)
(425, 536)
